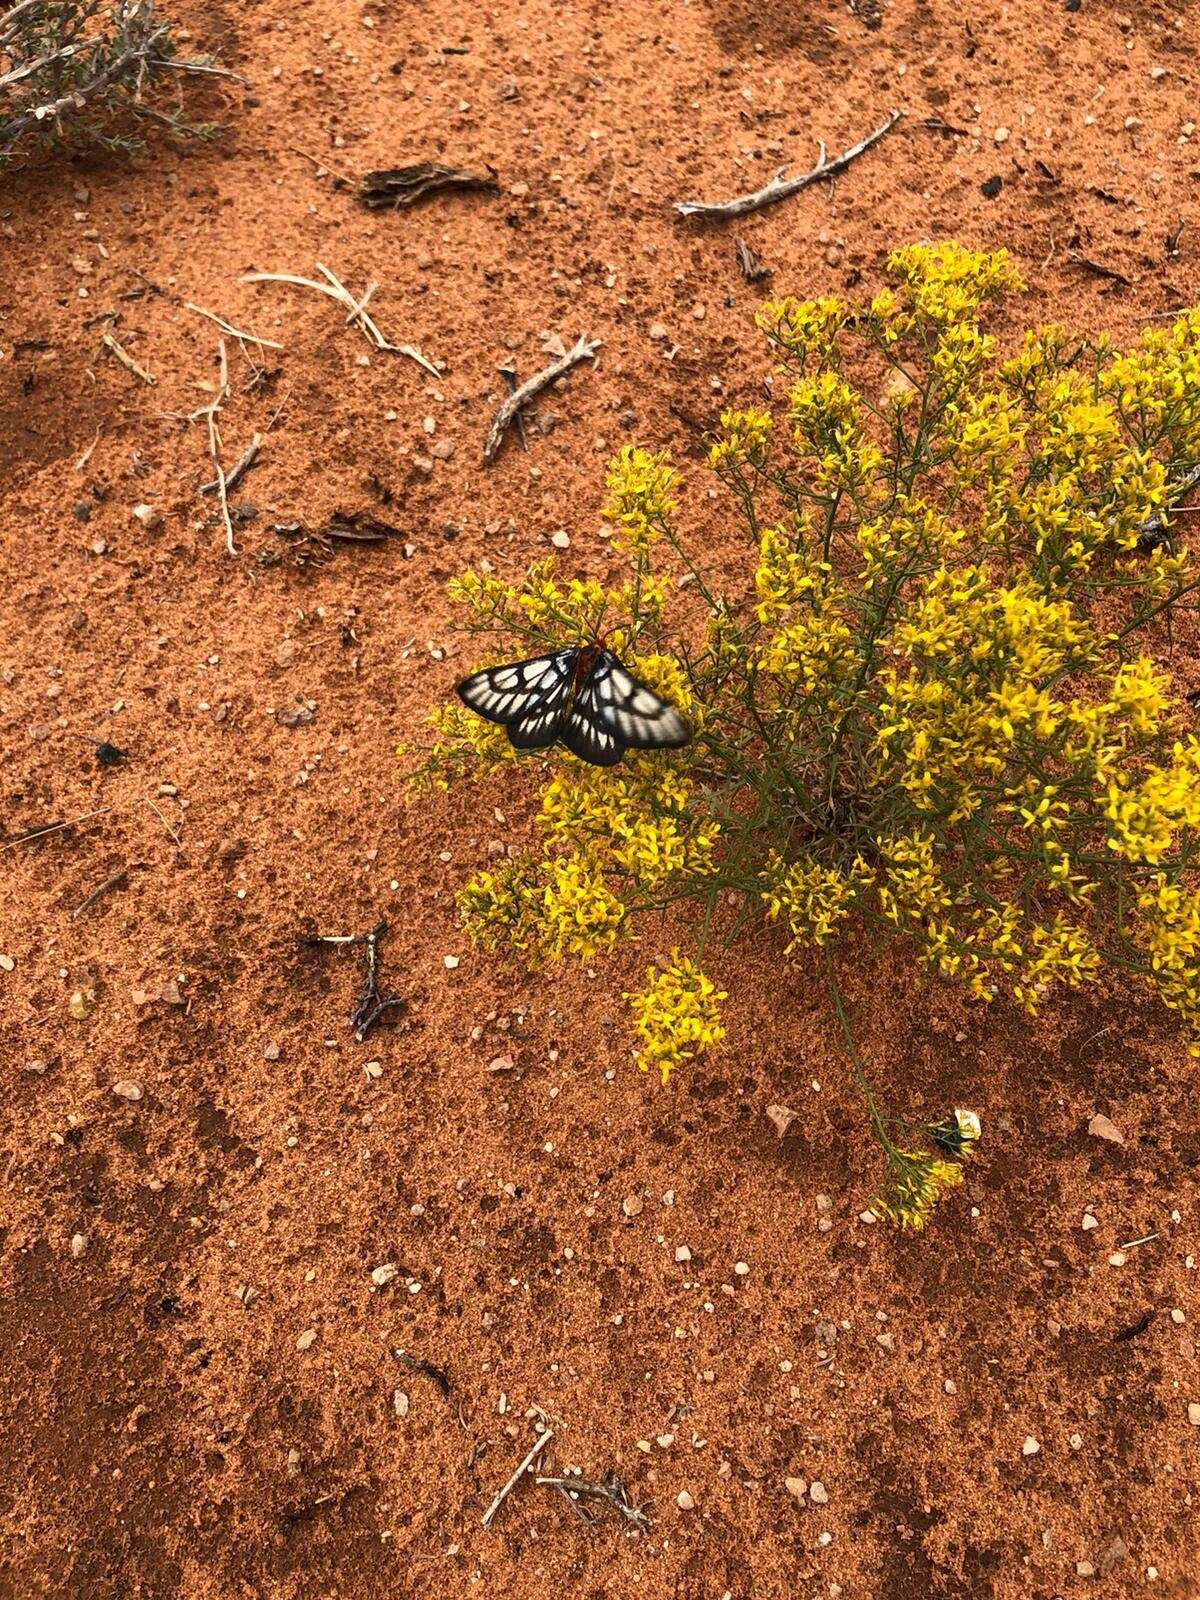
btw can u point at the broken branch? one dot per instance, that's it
(781, 187)
(520, 397)
(535, 1450)
(336, 290)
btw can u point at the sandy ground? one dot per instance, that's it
(199, 1395)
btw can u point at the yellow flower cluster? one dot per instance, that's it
(677, 1016)
(915, 1185)
(580, 915)
(926, 707)
(745, 436)
(1145, 816)
(802, 327)
(1170, 935)
(916, 1182)
(947, 283)
(810, 898)
(543, 907)
(826, 416)
(640, 500)
(638, 817)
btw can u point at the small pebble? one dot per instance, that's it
(400, 1403)
(1194, 1413)
(1118, 1258)
(147, 515)
(450, 962)
(6, 963)
(1001, 135)
(796, 1487)
(126, 1089)
(682, 1253)
(1031, 1446)
(561, 539)
(384, 1274)
(307, 1339)
(818, 1493)
(1177, 1315)
(684, 1501)
(79, 1244)
(632, 1205)
(1089, 1222)
(1101, 1128)
(741, 1269)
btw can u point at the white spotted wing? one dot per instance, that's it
(631, 713)
(527, 697)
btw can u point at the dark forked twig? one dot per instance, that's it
(370, 1006)
(780, 187)
(611, 1490)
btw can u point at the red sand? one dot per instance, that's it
(165, 1436)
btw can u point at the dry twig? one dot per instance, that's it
(584, 350)
(370, 1006)
(126, 359)
(1098, 269)
(612, 1490)
(781, 187)
(209, 415)
(245, 461)
(405, 186)
(535, 1450)
(753, 266)
(356, 309)
(115, 882)
(227, 327)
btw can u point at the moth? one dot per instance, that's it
(581, 696)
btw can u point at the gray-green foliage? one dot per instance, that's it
(88, 71)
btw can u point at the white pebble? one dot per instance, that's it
(1031, 1446)
(126, 1089)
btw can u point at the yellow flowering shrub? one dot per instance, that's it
(936, 704)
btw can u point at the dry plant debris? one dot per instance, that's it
(396, 187)
(583, 350)
(357, 313)
(781, 187)
(80, 71)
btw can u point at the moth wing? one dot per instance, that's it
(526, 697)
(585, 735)
(632, 713)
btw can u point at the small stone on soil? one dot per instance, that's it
(126, 1089)
(1101, 1128)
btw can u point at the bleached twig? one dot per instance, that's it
(227, 327)
(535, 1450)
(781, 187)
(127, 360)
(358, 314)
(209, 414)
(584, 350)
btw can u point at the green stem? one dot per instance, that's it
(877, 1121)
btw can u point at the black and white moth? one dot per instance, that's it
(582, 696)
